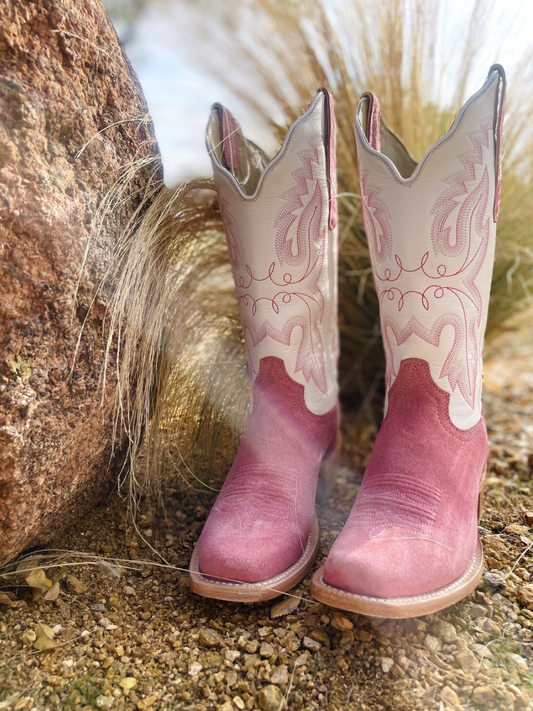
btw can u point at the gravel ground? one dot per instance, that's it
(123, 634)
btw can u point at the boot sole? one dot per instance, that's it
(235, 591)
(401, 607)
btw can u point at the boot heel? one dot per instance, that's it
(329, 468)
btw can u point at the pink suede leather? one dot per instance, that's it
(373, 123)
(413, 527)
(260, 523)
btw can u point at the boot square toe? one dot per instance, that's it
(392, 568)
(261, 551)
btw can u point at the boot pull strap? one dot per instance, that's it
(499, 112)
(331, 161)
(228, 131)
(373, 122)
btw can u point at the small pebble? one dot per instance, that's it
(29, 637)
(525, 596)
(280, 675)
(98, 607)
(518, 661)
(231, 655)
(270, 698)
(311, 643)
(364, 635)
(208, 637)
(449, 696)
(494, 579)
(517, 529)
(478, 611)
(482, 695)
(340, 622)
(266, 649)
(432, 644)
(195, 668)
(467, 661)
(445, 631)
(320, 635)
(301, 660)
(386, 664)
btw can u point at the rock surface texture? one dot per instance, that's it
(64, 81)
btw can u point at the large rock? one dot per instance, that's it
(64, 79)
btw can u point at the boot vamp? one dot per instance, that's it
(261, 521)
(413, 527)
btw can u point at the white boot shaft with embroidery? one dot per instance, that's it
(410, 545)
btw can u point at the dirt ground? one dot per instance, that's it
(123, 633)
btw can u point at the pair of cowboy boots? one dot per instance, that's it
(410, 545)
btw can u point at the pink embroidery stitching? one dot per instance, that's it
(305, 212)
(288, 215)
(397, 500)
(447, 203)
(469, 240)
(259, 491)
(375, 211)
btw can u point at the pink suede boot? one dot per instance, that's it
(279, 217)
(410, 545)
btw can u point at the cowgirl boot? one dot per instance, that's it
(279, 218)
(410, 545)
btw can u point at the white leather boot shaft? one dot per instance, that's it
(282, 242)
(431, 228)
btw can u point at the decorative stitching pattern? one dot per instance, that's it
(259, 490)
(376, 216)
(447, 203)
(460, 234)
(396, 500)
(301, 233)
(297, 211)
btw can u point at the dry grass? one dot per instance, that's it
(181, 375)
(174, 306)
